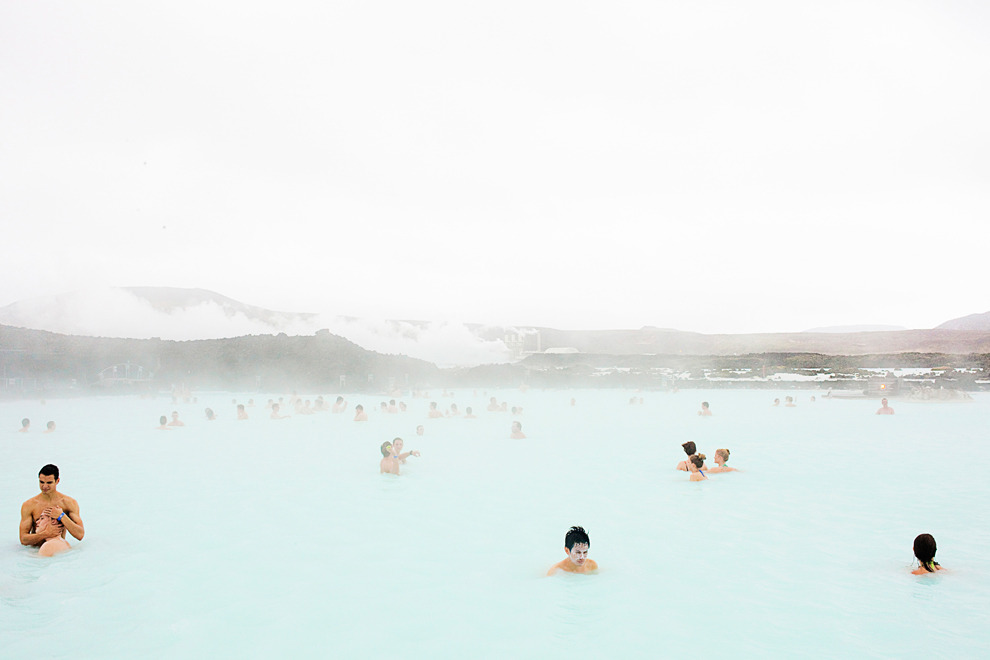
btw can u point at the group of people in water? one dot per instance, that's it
(47, 518)
(695, 462)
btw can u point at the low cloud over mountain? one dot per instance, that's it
(184, 314)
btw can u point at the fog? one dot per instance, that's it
(114, 312)
(714, 167)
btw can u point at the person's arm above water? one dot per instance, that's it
(27, 523)
(71, 520)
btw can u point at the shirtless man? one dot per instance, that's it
(434, 411)
(493, 405)
(46, 517)
(397, 446)
(389, 463)
(359, 414)
(175, 419)
(275, 415)
(339, 405)
(576, 545)
(884, 408)
(25, 426)
(241, 413)
(163, 424)
(705, 411)
(517, 433)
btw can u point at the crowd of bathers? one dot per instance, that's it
(46, 517)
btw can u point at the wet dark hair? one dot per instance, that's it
(52, 471)
(690, 448)
(698, 460)
(924, 550)
(162, 420)
(576, 535)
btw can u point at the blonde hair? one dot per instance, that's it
(724, 453)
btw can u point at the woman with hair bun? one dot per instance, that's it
(924, 550)
(721, 456)
(696, 466)
(690, 449)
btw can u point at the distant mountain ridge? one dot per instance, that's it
(857, 328)
(195, 314)
(978, 322)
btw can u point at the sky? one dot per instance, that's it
(720, 167)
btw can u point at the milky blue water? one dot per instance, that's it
(265, 538)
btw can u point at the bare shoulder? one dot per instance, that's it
(29, 506)
(592, 565)
(69, 503)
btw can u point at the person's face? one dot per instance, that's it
(47, 483)
(397, 446)
(175, 415)
(419, 430)
(883, 402)
(718, 459)
(578, 554)
(516, 427)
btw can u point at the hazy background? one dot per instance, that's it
(708, 166)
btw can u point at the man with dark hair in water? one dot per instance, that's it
(25, 425)
(46, 517)
(576, 545)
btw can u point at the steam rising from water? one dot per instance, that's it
(116, 312)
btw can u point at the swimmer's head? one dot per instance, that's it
(52, 471)
(386, 448)
(883, 402)
(704, 404)
(690, 448)
(419, 430)
(25, 422)
(576, 535)
(163, 420)
(516, 427)
(698, 460)
(240, 406)
(924, 550)
(723, 454)
(51, 426)
(340, 399)
(433, 405)
(397, 444)
(359, 407)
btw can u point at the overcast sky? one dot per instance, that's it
(711, 166)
